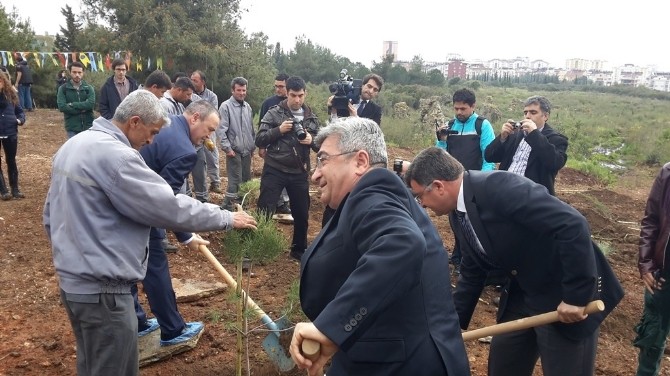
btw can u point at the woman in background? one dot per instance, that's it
(61, 79)
(11, 116)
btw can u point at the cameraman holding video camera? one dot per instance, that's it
(366, 108)
(286, 133)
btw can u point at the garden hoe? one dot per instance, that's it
(271, 343)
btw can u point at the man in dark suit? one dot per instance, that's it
(366, 108)
(373, 281)
(544, 245)
(531, 147)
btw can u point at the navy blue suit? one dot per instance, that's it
(376, 282)
(544, 246)
(172, 156)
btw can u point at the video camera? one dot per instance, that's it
(444, 132)
(346, 90)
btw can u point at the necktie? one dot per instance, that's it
(471, 238)
(361, 107)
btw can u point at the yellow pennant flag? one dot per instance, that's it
(159, 63)
(84, 59)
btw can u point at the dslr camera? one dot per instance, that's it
(397, 166)
(516, 124)
(346, 90)
(298, 129)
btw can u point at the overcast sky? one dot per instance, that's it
(618, 32)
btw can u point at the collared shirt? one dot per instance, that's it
(122, 87)
(520, 158)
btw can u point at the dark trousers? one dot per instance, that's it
(653, 330)
(106, 333)
(515, 353)
(10, 145)
(160, 294)
(273, 182)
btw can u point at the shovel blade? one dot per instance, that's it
(273, 346)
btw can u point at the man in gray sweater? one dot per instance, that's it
(101, 204)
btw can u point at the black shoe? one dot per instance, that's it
(5, 197)
(169, 247)
(17, 194)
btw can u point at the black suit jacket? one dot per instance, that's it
(372, 111)
(548, 154)
(376, 282)
(542, 243)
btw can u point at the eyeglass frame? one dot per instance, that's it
(320, 158)
(419, 196)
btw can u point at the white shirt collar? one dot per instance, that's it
(460, 202)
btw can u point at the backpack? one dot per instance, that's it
(478, 124)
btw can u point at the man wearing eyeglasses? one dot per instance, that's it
(115, 89)
(280, 94)
(286, 133)
(373, 282)
(543, 246)
(372, 85)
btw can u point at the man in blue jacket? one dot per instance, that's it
(172, 155)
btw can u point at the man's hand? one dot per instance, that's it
(302, 331)
(353, 111)
(307, 140)
(262, 152)
(651, 283)
(230, 154)
(286, 126)
(195, 243)
(528, 125)
(568, 313)
(243, 220)
(507, 129)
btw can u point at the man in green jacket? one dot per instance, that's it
(76, 100)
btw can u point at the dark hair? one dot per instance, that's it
(281, 77)
(201, 74)
(240, 81)
(295, 83)
(543, 102)
(19, 57)
(117, 62)
(377, 78)
(464, 95)
(184, 83)
(178, 75)
(158, 78)
(433, 164)
(77, 64)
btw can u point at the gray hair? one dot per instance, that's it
(202, 107)
(433, 164)
(241, 81)
(355, 133)
(543, 102)
(144, 104)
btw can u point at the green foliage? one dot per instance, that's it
(16, 32)
(291, 308)
(69, 38)
(261, 245)
(249, 191)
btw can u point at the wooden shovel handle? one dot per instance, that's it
(527, 322)
(311, 350)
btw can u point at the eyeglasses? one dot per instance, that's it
(321, 158)
(418, 197)
(120, 69)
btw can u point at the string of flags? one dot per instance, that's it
(95, 61)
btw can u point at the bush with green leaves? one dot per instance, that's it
(264, 244)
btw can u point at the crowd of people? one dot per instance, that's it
(375, 282)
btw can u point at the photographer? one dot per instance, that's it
(465, 138)
(531, 147)
(366, 108)
(286, 133)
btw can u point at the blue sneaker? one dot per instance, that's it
(191, 330)
(152, 326)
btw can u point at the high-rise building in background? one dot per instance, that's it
(390, 48)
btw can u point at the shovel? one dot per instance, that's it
(310, 348)
(271, 343)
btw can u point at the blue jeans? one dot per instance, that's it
(25, 97)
